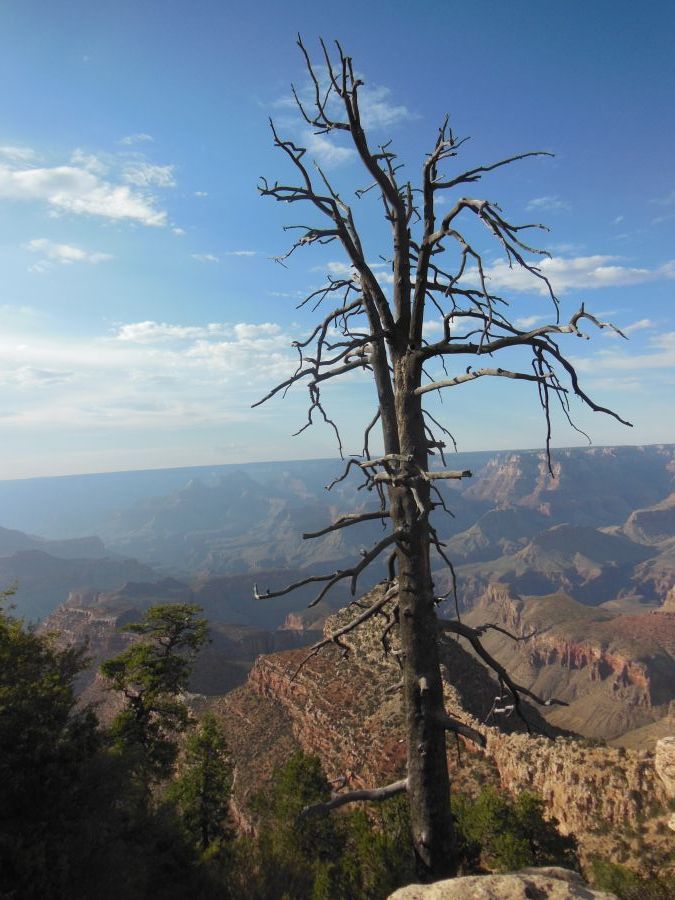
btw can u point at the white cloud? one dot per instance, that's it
(149, 332)
(580, 273)
(201, 194)
(241, 253)
(205, 257)
(29, 376)
(525, 323)
(89, 161)
(72, 189)
(638, 326)
(139, 138)
(325, 152)
(18, 154)
(660, 355)
(565, 247)
(337, 269)
(179, 232)
(376, 109)
(245, 331)
(52, 253)
(617, 220)
(550, 204)
(145, 174)
(432, 327)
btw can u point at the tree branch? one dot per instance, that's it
(345, 521)
(457, 727)
(516, 690)
(337, 800)
(471, 376)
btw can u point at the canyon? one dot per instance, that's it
(342, 708)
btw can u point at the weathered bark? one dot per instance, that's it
(428, 782)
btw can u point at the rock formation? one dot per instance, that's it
(548, 883)
(615, 671)
(344, 710)
(664, 763)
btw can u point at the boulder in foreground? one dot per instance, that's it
(549, 883)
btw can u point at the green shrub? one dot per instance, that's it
(501, 834)
(627, 885)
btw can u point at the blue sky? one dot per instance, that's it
(141, 313)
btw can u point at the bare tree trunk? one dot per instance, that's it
(428, 782)
(384, 334)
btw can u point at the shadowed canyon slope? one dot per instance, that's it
(343, 709)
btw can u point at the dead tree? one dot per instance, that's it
(436, 270)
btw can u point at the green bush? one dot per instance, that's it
(500, 834)
(627, 885)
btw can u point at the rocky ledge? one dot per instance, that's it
(549, 883)
(346, 710)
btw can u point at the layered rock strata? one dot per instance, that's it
(344, 710)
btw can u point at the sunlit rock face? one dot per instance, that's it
(550, 883)
(344, 710)
(664, 763)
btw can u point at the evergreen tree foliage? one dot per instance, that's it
(152, 674)
(45, 743)
(201, 791)
(501, 834)
(344, 855)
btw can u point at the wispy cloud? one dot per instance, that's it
(79, 191)
(92, 162)
(111, 380)
(201, 194)
(325, 151)
(639, 325)
(549, 204)
(145, 174)
(377, 109)
(660, 354)
(581, 272)
(52, 253)
(339, 269)
(527, 322)
(30, 376)
(139, 138)
(206, 257)
(18, 154)
(150, 332)
(242, 253)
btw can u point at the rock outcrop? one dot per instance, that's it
(344, 710)
(665, 768)
(549, 883)
(615, 671)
